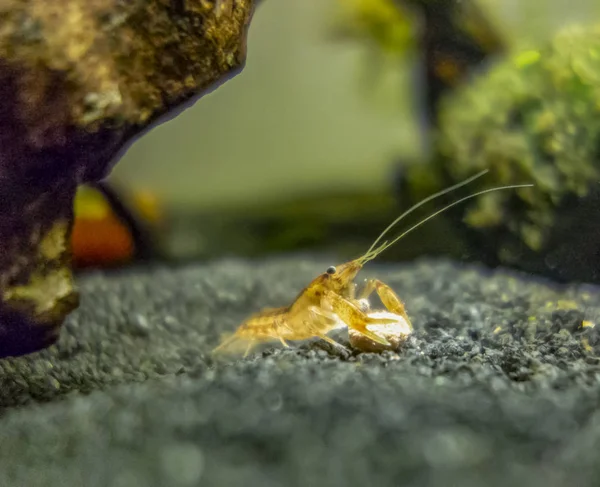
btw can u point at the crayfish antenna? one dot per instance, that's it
(372, 252)
(387, 245)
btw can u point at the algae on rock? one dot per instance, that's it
(533, 117)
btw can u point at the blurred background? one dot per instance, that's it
(307, 142)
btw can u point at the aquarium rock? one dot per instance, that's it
(79, 80)
(532, 117)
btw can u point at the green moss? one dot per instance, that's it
(533, 117)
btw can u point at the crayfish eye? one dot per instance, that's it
(331, 270)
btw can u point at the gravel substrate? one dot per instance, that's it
(499, 385)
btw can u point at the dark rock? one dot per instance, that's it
(79, 80)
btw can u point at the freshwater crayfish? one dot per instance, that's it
(331, 301)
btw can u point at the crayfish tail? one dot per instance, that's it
(226, 342)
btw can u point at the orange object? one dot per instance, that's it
(106, 233)
(101, 243)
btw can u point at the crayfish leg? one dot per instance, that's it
(354, 318)
(391, 300)
(332, 342)
(370, 285)
(323, 319)
(250, 346)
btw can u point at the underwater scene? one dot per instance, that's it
(295, 243)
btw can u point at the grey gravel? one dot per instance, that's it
(500, 385)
